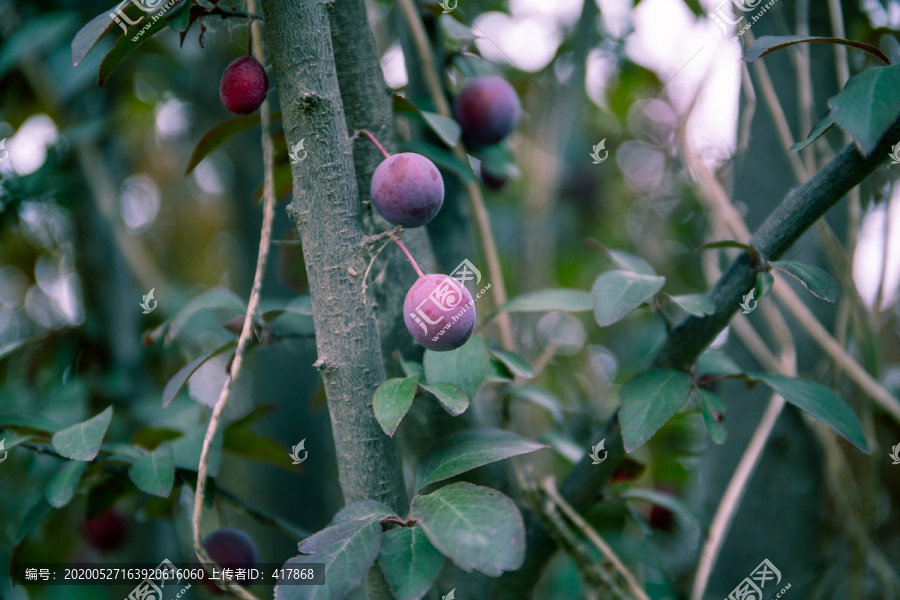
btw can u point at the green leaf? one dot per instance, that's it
(717, 363)
(617, 293)
(867, 106)
(33, 423)
(561, 331)
(441, 157)
(563, 445)
(566, 300)
(348, 547)
(446, 128)
(539, 397)
(478, 528)
(818, 282)
(127, 44)
(180, 379)
(186, 450)
(465, 367)
(452, 397)
(724, 244)
(244, 443)
(664, 500)
(82, 441)
(35, 515)
(771, 43)
(515, 363)
(64, 483)
(498, 160)
(469, 450)
(823, 125)
(698, 305)
(217, 135)
(88, 36)
(713, 415)
(409, 562)
(498, 372)
(648, 402)
(764, 283)
(392, 400)
(212, 299)
(412, 368)
(630, 262)
(154, 472)
(820, 402)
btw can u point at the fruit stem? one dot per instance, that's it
(408, 255)
(372, 139)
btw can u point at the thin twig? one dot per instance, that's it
(409, 256)
(246, 331)
(591, 534)
(482, 219)
(372, 139)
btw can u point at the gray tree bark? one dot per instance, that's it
(328, 217)
(367, 105)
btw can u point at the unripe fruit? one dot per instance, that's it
(492, 181)
(106, 531)
(439, 312)
(230, 547)
(244, 85)
(407, 189)
(487, 110)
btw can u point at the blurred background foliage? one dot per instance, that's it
(96, 210)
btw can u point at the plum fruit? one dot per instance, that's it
(244, 85)
(230, 547)
(487, 110)
(106, 531)
(407, 189)
(439, 312)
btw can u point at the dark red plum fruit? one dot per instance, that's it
(487, 110)
(244, 85)
(106, 531)
(229, 547)
(439, 312)
(407, 189)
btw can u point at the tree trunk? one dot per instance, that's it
(328, 217)
(367, 105)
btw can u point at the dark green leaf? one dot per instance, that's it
(562, 445)
(713, 415)
(515, 363)
(88, 36)
(538, 396)
(724, 244)
(64, 483)
(440, 157)
(469, 450)
(243, 442)
(348, 548)
(446, 128)
(218, 134)
(764, 283)
(648, 402)
(549, 300)
(154, 472)
(180, 379)
(665, 501)
(498, 160)
(476, 527)
(412, 368)
(867, 106)
(35, 515)
(818, 131)
(465, 367)
(698, 305)
(770, 43)
(392, 401)
(186, 450)
(82, 441)
(498, 372)
(820, 402)
(617, 293)
(409, 562)
(818, 282)
(452, 397)
(717, 363)
(33, 422)
(127, 44)
(151, 437)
